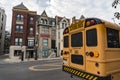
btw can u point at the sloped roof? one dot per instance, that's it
(44, 14)
(60, 18)
(82, 17)
(21, 6)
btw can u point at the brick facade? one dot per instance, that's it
(23, 27)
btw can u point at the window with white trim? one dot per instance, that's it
(45, 42)
(18, 41)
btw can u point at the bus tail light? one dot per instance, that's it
(93, 54)
(96, 54)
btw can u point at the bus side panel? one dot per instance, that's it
(113, 62)
(112, 59)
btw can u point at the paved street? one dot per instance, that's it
(34, 70)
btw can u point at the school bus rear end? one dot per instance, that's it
(94, 50)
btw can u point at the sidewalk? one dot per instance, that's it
(16, 60)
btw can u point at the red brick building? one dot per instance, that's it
(23, 31)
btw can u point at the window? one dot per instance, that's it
(62, 25)
(20, 17)
(31, 30)
(30, 42)
(45, 30)
(66, 41)
(77, 40)
(53, 23)
(113, 38)
(77, 59)
(45, 22)
(2, 17)
(65, 25)
(31, 19)
(45, 42)
(17, 52)
(53, 44)
(53, 32)
(18, 41)
(91, 37)
(19, 28)
(42, 21)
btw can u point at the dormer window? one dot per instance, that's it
(64, 24)
(42, 21)
(53, 23)
(45, 22)
(64, 21)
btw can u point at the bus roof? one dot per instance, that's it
(111, 25)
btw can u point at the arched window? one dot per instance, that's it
(64, 21)
(31, 30)
(42, 21)
(64, 24)
(45, 21)
(31, 19)
(20, 17)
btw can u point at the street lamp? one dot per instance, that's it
(36, 46)
(22, 53)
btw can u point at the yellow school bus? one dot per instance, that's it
(91, 49)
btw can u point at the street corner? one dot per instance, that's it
(11, 60)
(45, 67)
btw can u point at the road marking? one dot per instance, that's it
(34, 68)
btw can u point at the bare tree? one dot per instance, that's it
(114, 5)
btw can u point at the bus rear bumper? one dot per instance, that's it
(84, 75)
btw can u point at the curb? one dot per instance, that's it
(26, 60)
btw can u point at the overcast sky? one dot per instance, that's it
(68, 8)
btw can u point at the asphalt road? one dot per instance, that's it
(34, 70)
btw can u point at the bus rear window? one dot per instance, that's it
(91, 37)
(66, 41)
(77, 40)
(113, 38)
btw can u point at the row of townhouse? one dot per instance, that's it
(36, 36)
(2, 29)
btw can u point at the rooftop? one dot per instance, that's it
(21, 6)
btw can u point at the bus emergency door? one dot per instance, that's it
(77, 49)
